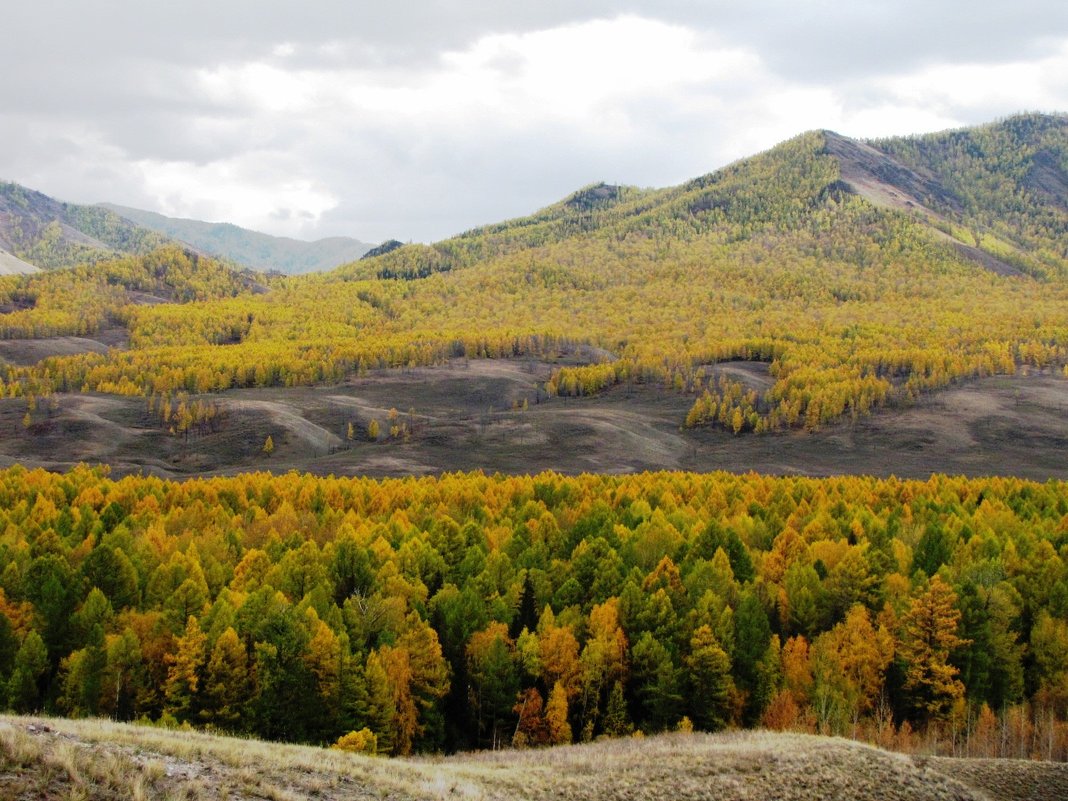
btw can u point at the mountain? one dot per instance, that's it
(250, 248)
(849, 276)
(47, 233)
(997, 193)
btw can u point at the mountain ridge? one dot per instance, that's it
(886, 173)
(247, 247)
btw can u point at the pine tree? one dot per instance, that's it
(268, 446)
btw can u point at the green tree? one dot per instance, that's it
(24, 689)
(124, 675)
(111, 570)
(655, 683)
(491, 668)
(709, 670)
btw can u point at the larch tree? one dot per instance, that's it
(186, 666)
(710, 681)
(556, 716)
(227, 684)
(928, 635)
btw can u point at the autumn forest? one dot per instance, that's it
(482, 610)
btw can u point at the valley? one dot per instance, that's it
(468, 415)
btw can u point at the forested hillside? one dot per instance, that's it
(48, 233)
(825, 264)
(80, 300)
(475, 611)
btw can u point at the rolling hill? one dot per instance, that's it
(247, 248)
(103, 760)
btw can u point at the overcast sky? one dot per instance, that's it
(417, 120)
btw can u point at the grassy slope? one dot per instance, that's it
(104, 760)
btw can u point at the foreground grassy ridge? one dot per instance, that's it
(95, 759)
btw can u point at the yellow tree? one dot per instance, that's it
(556, 716)
(928, 635)
(227, 684)
(186, 664)
(323, 658)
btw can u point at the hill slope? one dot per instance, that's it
(250, 248)
(50, 233)
(101, 760)
(12, 265)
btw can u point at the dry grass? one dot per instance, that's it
(93, 759)
(1009, 779)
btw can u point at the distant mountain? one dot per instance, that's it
(250, 248)
(41, 231)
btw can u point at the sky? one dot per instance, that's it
(419, 119)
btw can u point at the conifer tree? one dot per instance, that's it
(710, 680)
(928, 635)
(227, 683)
(184, 675)
(31, 663)
(556, 714)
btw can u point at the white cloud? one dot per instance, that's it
(256, 191)
(421, 122)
